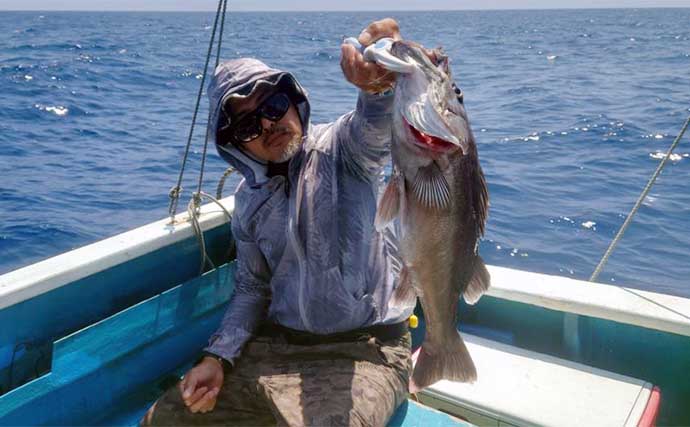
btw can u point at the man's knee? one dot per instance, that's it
(169, 409)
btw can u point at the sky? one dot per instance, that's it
(383, 5)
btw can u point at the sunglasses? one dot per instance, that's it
(248, 126)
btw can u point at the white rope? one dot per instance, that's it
(194, 211)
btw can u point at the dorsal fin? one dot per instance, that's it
(479, 191)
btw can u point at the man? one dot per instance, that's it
(310, 336)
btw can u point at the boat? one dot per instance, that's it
(93, 336)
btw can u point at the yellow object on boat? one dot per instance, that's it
(414, 321)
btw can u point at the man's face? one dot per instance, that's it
(280, 140)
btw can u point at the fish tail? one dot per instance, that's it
(452, 363)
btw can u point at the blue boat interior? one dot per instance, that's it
(101, 349)
(110, 372)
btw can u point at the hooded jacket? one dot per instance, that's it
(308, 254)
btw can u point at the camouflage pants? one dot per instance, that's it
(358, 383)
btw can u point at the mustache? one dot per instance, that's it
(277, 129)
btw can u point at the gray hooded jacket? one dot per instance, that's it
(308, 255)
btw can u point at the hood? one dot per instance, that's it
(241, 78)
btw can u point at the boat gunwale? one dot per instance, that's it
(646, 309)
(60, 270)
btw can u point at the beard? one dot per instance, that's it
(293, 144)
(291, 148)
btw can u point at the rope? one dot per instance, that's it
(194, 205)
(208, 120)
(175, 191)
(193, 209)
(221, 182)
(632, 213)
(216, 201)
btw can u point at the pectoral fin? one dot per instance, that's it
(389, 205)
(431, 188)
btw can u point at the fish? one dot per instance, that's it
(438, 192)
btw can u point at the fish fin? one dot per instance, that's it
(452, 363)
(389, 205)
(431, 188)
(475, 185)
(405, 290)
(479, 283)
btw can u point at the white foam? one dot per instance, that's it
(552, 57)
(58, 110)
(589, 225)
(673, 157)
(28, 78)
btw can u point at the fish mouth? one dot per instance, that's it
(430, 142)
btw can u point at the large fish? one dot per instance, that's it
(438, 192)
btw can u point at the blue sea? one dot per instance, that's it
(570, 109)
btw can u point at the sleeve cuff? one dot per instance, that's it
(227, 365)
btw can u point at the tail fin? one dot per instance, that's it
(453, 363)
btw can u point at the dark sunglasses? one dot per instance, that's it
(248, 127)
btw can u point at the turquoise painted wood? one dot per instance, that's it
(96, 367)
(110, 372)
(412, 414)
(28, 329)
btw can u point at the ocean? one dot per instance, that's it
(570, 109)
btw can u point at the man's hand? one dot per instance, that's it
(369, 76)
(201, 385)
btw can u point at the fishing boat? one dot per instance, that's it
(93, 336)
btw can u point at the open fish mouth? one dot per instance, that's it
(430, 142)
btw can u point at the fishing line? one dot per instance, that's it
(632, 213)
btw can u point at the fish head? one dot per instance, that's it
(428, 113)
